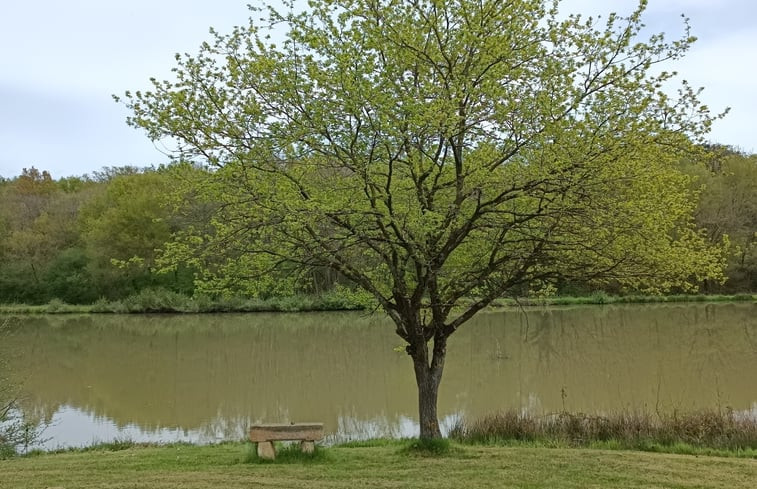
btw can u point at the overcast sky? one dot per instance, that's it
(60, 62)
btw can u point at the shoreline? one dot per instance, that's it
(188, 305)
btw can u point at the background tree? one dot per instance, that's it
(123, 226)
(727, 180)
(440, 154)
(39, 217)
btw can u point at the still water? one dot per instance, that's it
(204, 378)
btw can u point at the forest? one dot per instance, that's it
(101, 236)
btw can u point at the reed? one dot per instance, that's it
(717, 430)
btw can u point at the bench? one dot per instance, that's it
(265, 434)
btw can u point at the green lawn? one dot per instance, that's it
(224, 466)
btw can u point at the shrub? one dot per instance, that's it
(16, 431)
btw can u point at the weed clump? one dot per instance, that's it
(285, 454)
(429, 447)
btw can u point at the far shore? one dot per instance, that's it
(172, 303)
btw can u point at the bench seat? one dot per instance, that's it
(265, 434)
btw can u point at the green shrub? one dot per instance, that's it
(56, 305)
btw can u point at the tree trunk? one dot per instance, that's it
(428, 377)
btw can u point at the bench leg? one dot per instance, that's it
(307, 446)
(266, 450)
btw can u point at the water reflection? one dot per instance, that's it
(70, 426)
(205, 378)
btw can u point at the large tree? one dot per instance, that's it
(438, 154)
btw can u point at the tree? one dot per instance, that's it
(38, 218)
(439, 154)
(123, 226)
(728, 210)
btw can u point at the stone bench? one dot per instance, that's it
(265, 434)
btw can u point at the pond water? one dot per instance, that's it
(205, 378)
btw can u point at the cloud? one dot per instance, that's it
(67, 134)
(68, 57)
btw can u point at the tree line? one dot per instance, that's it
(80, 239)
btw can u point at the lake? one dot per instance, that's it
(205, 378)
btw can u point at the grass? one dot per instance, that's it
(382, 465)
(164, 301)
(285, 454)
(430, 448)
(695, 433)
(603, 298)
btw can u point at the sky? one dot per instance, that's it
(61, 62)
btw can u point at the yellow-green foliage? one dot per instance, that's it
(465, 147)
(434, 151)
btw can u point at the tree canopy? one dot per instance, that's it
(438, 154)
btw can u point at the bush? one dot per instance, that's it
(157, 300)
(16, 431)
(56, 305)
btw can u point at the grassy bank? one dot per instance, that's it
(602, 298)
(385, 464)
(707, 432)
(163, 301)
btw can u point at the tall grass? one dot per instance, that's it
(161, 300)
(604, 298)
(166, 301)
(430, 448)
(639, 431)
(285, 454)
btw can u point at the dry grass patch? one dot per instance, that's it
(696, 433)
